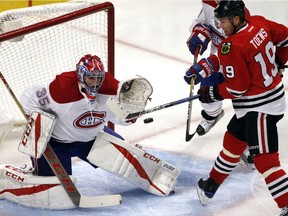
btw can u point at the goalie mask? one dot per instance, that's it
(91, 75)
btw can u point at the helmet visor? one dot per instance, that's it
(91, 79)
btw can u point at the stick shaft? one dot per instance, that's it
(189, 136)
(160, 107)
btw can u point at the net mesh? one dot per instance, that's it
(40, 55)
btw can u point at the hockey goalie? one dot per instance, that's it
(67, 118)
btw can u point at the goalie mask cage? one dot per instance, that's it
(52, 40)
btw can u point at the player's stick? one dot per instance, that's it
(160, 107)
(191, 92)
(58, 169)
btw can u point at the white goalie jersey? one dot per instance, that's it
(76, 118)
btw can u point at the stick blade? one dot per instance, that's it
(189, 136)
(100, 201)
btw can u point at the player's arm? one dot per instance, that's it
(279, 34)
(202, 69)
(237, 79)
(35, 97)
(200, 30)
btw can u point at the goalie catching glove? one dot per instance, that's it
(132, 96)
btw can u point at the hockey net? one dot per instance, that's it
(52, 40)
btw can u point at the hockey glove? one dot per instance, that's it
(204, 68)
(209, 94)
(132, 96)
(200, 36)
(280, 66)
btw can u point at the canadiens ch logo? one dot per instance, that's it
(89, 119)
(226, 48)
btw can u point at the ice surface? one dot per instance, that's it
(150, 41)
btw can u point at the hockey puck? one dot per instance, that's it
(148, 120)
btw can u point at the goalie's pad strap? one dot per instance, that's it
(133, 164)
(37, 133)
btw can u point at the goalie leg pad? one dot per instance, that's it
(23, 188)
(37, 133)
(133, 164)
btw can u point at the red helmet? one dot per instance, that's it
(90, 67)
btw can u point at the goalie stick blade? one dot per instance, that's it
(189, 136)
(100, 201)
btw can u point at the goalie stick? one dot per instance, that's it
(191, 92)
(160, 107)
(59, 171)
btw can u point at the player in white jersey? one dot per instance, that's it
(204, 30)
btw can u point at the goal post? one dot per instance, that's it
(51, 40)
